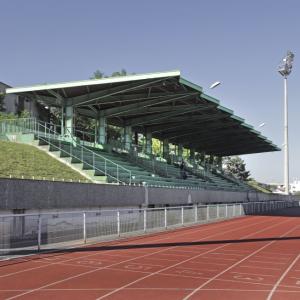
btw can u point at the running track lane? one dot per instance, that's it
(236, 259)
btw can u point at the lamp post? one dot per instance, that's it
(285, 69)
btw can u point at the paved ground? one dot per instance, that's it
(255, 257)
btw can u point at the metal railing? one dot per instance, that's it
(73, 149)
(31, 232)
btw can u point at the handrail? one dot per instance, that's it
(102, 157)
(99, 155)
(34, 127)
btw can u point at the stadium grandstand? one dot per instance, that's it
(164, 106)
(137, 232)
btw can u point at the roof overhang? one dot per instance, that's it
(164, 103)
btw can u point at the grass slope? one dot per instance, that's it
(20, 160)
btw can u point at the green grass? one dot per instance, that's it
(20, 160)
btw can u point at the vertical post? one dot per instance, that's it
(62, 126)
(84, 227)
(207, 212)
(149, 142)
(218, 211)
(128, 137)
(145, 220)
(165, 148)
(286, 139)
(69, 121)
(39, 237)
(240, 209)
(196, 213)
(182, 219)
(102, 126)
(166, 218)
(226, 210)
(118, 223)
(180, 151)
(117, 171)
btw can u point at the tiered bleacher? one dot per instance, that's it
(162, 106)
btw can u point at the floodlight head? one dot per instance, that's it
(285, 68)
(261, 125)
(215, 84)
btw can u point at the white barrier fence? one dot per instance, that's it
(58, 230)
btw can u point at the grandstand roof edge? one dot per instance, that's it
(191, 84)
(116, 79)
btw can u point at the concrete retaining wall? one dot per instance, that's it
(35, 194)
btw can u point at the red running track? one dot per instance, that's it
(255, 257)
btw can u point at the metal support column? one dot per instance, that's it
(166, 149)
(102, 130)
(69, 121)
(128, 137)
(148, 142)
(180, 151)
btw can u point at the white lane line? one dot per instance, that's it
(282, 277)
(220, 258)
(227, 254)
(147, 255)
(267, 262)
(167, 268)
(237, 263)
(260, 268)
(263, 275)
(122, 243)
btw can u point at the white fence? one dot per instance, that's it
(30, 232)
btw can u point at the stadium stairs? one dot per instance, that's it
(103, 166)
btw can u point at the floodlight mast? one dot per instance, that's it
(285, 69)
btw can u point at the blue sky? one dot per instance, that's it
(238, 42)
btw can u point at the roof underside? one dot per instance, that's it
(164, 104)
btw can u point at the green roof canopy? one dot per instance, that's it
(165, 104)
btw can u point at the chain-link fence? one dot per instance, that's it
(31, 232)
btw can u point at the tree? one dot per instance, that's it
(2, 102)
(236, 167)
(99, 74)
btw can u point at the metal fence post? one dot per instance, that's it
(182, 219)
(207, 212)
(218, 211)
(240, 209)
(166, 218)
(84, 227)
(196, 213)
(226, 210)
(145, 220)
(117, 172)
(39, 237)
(118, 223)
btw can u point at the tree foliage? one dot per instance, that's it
(99, 74)
(236, 167)
(2, 102)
